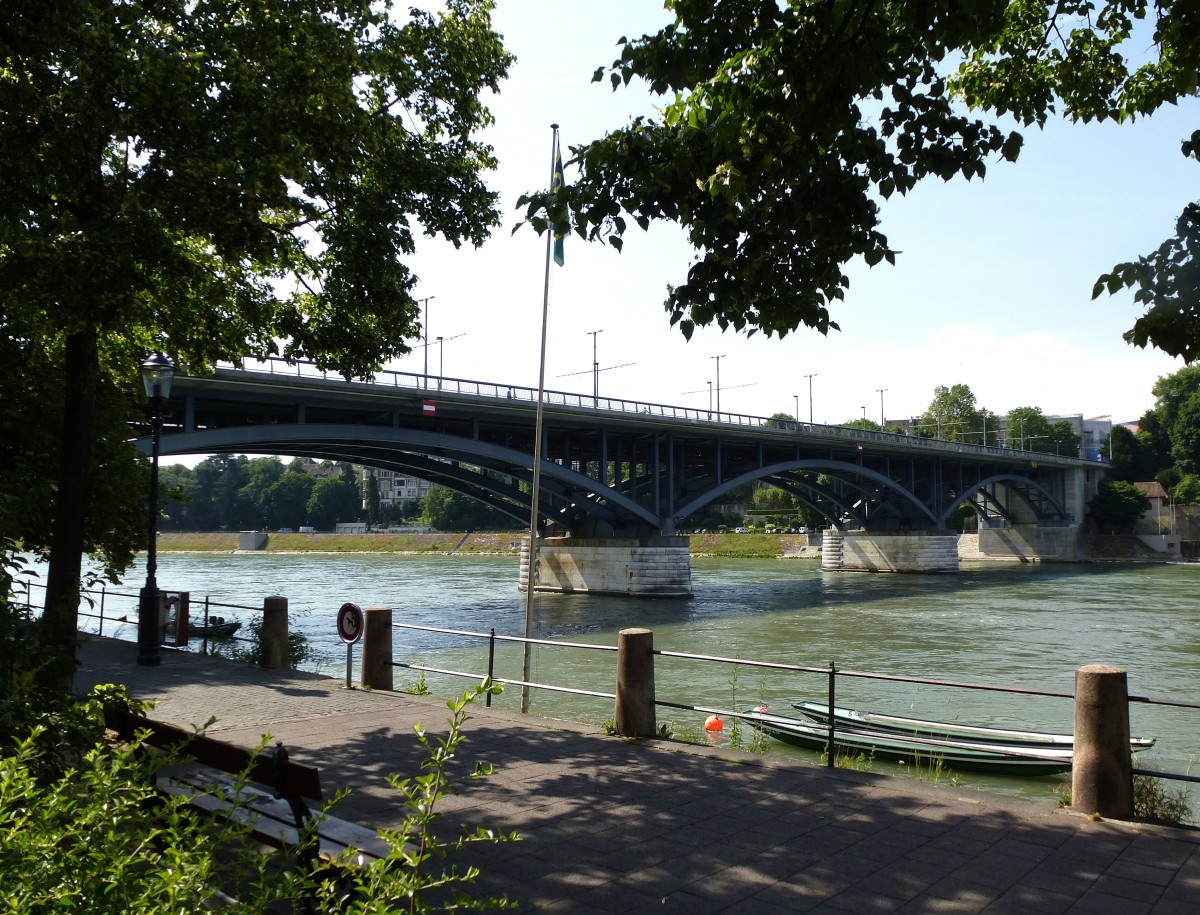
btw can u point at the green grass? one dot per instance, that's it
(721, 546)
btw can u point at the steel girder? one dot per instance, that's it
(608, 473)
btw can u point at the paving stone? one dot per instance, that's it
(610, 826)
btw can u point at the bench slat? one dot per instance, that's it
(270, 819)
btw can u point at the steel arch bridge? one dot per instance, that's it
(611, 468)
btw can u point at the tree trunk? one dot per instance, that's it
(60, 617)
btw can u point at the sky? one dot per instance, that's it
(992, 286)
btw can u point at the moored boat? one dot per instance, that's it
(944, 730)
(216, 627)
(975, 756)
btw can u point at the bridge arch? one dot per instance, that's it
(850, 474)
(435, 457)
(1041, 502)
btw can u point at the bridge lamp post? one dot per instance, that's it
(595, 369)
(881, 420)
(810, 413)
(157, 374)
(425, 336)
(718, 358)
(441, 362)
(796, 415)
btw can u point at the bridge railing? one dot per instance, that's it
(433, 385)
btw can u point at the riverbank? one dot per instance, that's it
(1102, 548)
(725, 546)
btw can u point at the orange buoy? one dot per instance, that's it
(713, 723)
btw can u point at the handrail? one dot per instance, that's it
(431, 386)
(92, 597)
(832, 672)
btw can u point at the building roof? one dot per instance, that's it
(1152, 489)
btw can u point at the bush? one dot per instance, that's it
(95, 836)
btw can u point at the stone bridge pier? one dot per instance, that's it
(659, 566)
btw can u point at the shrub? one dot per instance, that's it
(89, 833)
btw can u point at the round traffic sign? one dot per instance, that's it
(350, 623)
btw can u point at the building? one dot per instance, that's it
(395, 487)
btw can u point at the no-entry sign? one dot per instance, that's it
(350, 623)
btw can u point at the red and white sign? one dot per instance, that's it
(350, 623)
(428, 408)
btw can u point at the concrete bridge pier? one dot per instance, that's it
(889, 551)
(632, 566)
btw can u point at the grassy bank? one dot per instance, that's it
(740, 546)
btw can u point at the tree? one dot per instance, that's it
(1117, 506)
(783, 126)
(374, 508)
(261, 473)
(219, 181)
(862, 423)
(332, 500)
(285, 502)
(1128, 458)
(233, 507)
(782, 421)
(953, 416)
(1062, 439)
(1187, 492)
(1027, 429)
(1093, 60)
(1177, 417)
(452, 511)
(1185, 435)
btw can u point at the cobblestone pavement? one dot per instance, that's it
(610, 826)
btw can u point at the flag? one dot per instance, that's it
(559, 230)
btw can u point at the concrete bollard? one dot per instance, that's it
(274, 637)
(1102, 770)
(377, 648)
(635, 684)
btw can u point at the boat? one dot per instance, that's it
(216, 627)
(1006, 759)
(944, 730)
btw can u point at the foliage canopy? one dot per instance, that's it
(217, 180)
(784, 126)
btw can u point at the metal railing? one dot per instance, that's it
(429, 385)
(97, 604)
(830, 672)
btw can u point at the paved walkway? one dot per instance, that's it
(610, 826)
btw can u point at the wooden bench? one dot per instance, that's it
(266, 791)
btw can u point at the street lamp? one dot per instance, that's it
(595, 370)
(810, 378)
(881, 420)
(718, 358)
(425, 337)
(157, 374)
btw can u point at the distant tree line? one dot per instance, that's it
(236, 493)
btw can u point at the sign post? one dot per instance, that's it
(350, 628)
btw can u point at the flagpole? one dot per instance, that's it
(536, 485)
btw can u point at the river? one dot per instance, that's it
(1027, 626)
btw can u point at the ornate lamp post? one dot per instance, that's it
(157, 373)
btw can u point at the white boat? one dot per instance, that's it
(943, 730)
(1005, 759)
